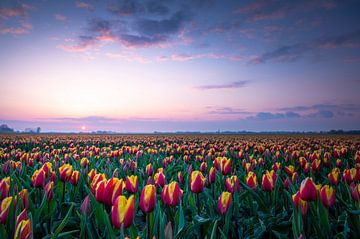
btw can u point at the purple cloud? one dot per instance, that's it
(84, 5)
(232, 85)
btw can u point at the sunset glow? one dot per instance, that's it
(144, 66)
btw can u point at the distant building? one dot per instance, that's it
(4, 128)
(33, 130)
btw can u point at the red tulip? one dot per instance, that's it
(349, 175)
(356, 192)
(171, 194)
(267, 182)
(148, 198)
(49, 190)
(4, 187)
(232, 183)
(224, 202)
(203, 167)
(287, 183)
(289, 170)
(308, 191)
(122, 212)
(212, 175)
(251, 180)
(23, 227)
(180, 177)
(299, 203)
(225, 166)
(327, 196)
(4, 209)
(65, 172)
(197, 182)
(159, 179)
(149, 169)
(131, 184)
(85, 206)
(75, 177)
(38, 178)
(334, 176)
(96, 179)
(24, 197)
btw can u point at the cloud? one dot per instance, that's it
(293, 52)
(126, 8)
(323, 114)
(189, 57)
(324, 107)
(274, 116)
(136, 32)
(13, 19)
(232, 85)
(273, 10)
(227, 111)
(60, 17)
(84, 5)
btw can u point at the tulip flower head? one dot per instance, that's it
(131, 184)
(65, 172)
(308, 191)
(148, 198)
(197, 182)
(327, 196)
(251, 180)
(122, 212)
(224, 202)
(38, 178)
(171, 194)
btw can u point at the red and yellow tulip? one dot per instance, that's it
(232, 183)
(327, 196)
(251, 180)
(122, 212)
(171, 194)
(38, 178)
(65, 172)
(197, 181)
(308, 191)
(75, 177)
(224, 202)
(131, 184)
(148, 198)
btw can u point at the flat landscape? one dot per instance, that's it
(179, 186)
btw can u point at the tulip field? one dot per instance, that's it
(179, 186)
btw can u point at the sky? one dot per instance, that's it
(191, 65)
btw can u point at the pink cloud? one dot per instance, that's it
(24, 28)
(84, 5)
(60, 17)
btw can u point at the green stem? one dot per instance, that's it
(148, 225)
(63, 195)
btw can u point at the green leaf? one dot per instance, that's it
(213, 231)
(63, 223)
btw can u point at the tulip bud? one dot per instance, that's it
(304, 205)
(327, 196)
(159, 179)
(4, 209)
(38, 178)
(356, 192)
(85, 206)
(349, 175)
(4, 188)
(23, 227)
(75, 177)
(212, 175)
(224, 202)
(24, 197)
(225, 166)
(122, 212)
(65, 172)
(49, 190)
(171, 194)
(197, 181)
(308, 190)
(232, 183)
(148, 198)
(287, 184)
(267, 182)
(203, 167)
(289, 170)
(131, 184)
(251, 180)
(149, 169)
(180, 177)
